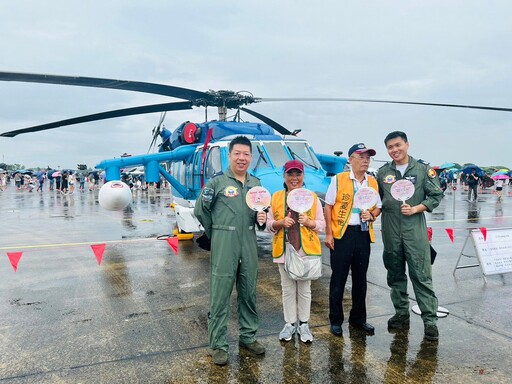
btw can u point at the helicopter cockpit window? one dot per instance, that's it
(213, 163)
(259, 157)
(302, 152)
(277, 153)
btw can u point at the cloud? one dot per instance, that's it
(433, 51)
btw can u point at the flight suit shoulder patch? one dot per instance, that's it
(207, 194)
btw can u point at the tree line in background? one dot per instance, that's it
(11, 167)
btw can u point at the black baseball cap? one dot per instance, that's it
(360, 148)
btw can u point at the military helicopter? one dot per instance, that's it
(195, 152)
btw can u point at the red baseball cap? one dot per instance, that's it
(294, 164)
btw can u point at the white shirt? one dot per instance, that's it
(330, 196)
(402, 168)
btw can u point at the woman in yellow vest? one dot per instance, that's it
(302, 234)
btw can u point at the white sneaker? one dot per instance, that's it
(305, 333)
(287, 333)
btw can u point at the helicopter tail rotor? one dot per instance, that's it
(157, 130)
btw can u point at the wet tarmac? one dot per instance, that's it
(141, 315)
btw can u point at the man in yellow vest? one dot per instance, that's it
(348, 240)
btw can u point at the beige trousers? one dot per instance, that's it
(296, 297)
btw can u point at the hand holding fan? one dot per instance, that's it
(364, 199)
(258, 199)
(300, 200)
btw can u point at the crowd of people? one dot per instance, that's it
(68, 182)
(472, 181)
(230, 231)
(65, 182)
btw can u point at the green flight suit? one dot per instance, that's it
(230, 224)
(405, 237)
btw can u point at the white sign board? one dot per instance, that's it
(495, 252)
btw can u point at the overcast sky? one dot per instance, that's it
(455, 51)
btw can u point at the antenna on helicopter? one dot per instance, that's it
(237, 115)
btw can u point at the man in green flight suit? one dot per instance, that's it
(230, 225)
(404, 233)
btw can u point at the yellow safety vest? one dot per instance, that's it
(342, 208)
(309, 240)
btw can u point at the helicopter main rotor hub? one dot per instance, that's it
(224, 98)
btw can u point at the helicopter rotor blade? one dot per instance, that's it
(327, 99)
(278, 127)
(177, 106)
(210, 98)
(125, 85)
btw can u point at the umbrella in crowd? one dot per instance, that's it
(49, 173)
(447, 165)
(23, 172)
(500, 176)
(56, 174)
(469, 168)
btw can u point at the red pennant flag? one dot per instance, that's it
(98, 250)
(173, 242)
(14, 258)
(484, 232)
(449, 231)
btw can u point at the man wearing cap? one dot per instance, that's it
(348, 238)
(404, 233)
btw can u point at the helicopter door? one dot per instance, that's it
(213, 163)
(196, 170)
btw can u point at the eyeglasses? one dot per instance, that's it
(361, 157)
